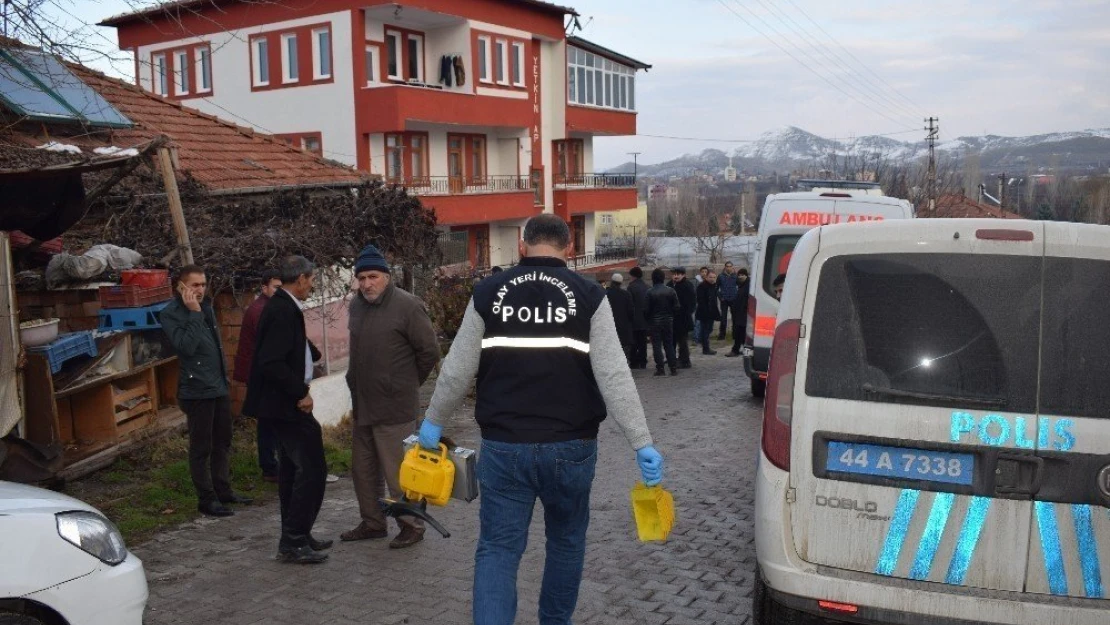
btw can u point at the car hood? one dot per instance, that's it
(22, 498)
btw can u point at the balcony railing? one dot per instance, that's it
(595, 181)
(602, 256)
(462, 185)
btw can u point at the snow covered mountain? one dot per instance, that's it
(791, 147)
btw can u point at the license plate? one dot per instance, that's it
(900, 463)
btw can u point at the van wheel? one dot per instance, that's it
(11, 618)
(759, 387)
(764, 609)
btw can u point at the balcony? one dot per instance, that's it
(577, 194)
(458, 200)
(390, 107)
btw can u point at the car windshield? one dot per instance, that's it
(931, 329)
(779, 250)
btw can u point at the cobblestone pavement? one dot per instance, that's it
(704, 422)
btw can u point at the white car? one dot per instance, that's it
(936, 427)
(64, 563)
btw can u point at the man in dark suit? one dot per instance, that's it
(684, 320)
(621, 303)
(278, 391)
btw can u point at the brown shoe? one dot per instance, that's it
(363, 532)
(408, 537)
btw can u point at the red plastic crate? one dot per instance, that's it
(132, 296)
(147, 278)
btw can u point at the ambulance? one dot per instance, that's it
(936, 433)
(786, 217)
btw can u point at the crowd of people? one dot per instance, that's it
(669, 310)
(537, 330)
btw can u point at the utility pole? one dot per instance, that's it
(931, 184)
(635, 158)
(1002, 190)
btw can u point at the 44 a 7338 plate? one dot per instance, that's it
(900, 462)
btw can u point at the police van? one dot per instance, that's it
(786, 217)
(936, 432)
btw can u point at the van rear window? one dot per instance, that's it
(1075, 353)
(950, 330)
(779, 250)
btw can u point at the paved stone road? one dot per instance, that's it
(705, 423)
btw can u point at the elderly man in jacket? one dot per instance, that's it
(638, 290)
(393, 350)
(190, 324)
(278, 392)
(620, 301)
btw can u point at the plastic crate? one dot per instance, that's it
(132, 296)
(144, 277)
(65, 347)
(145, 318)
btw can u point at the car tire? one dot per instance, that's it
(11, 618)
(759, 387)
(766, 612)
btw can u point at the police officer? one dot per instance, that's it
(542, 343)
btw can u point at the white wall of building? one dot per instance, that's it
(449, 40)
(326, 108)
(553, 64)
(591, 234)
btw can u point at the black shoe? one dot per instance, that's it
(301, 555)
(732, 354)
(237, 498)
(674, 371)
(214, 508)
(685, 365)
(659, 371)
(319, 545)
(708, 352)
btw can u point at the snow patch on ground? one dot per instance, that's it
(115, 151)
(54, 146)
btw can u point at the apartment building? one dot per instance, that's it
(486, 109)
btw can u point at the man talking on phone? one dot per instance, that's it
(202, 389)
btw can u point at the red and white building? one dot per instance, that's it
(484, 108)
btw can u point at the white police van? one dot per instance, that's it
(786, 217)
(936, 433)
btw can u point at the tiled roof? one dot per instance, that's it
(198, 5)
(956, 205)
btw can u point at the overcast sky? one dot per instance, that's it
(733, 69)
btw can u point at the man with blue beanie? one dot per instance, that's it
(541, 341)
(393, 350)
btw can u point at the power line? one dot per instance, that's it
(716, 140)
(801, 62)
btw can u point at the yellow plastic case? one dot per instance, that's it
(653, 507)
(427, 475)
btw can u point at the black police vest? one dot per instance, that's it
(535, 381)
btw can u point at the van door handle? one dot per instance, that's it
(1018, 474)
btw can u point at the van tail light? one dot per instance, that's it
(778, 407)
(836, 606)
(749, 330)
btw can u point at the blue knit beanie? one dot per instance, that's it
(371, 259)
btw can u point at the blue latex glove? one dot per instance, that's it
(651, 465)
(429, 435)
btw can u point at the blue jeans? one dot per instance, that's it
(511, 477)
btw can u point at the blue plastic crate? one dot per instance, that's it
(65, 347)
(145, 318)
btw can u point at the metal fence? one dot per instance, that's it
(595, 181)
(461, 185)
(453, 246)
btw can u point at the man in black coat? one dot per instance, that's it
(638, 289)
(661, 306)
(623, 309)
(684, 320)
(708, 312)
(278, 390)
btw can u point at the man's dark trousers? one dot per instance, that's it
(726, 307)
(267, 448)
(302, 475)
(682, 342)
(662, 340)
(209, 422)
(639, 348)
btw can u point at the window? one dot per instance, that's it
(181, 72)
(478, 159)
(312, 144)
(415, 57)
(204, 69)
(484, 59)
(161, 82)
(1073, 370)
(260, 61)
(501, 62)
(393, 55)
(518, 64)
(417, 153)
(597, 81)
(413, 169)
(924, 329)
(372, 65)
(289, 69)
(606, 220)
(569, 161)
(321, 53)
(394, 157)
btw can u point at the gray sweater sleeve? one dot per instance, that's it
(459, 368)
(614, 378)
